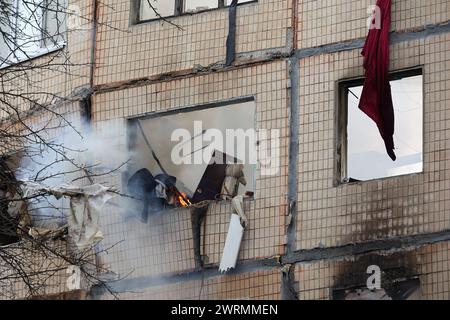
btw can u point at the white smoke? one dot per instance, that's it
(67, 155)
(102, 149)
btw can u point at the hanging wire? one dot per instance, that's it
(357, 98)
(397, 136)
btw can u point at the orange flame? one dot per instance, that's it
(184, 200)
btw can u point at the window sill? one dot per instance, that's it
(34, 55)
(192, 13)
(360, 182)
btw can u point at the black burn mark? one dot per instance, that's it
(382, 209)
(397, 270)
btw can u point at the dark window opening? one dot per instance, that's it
(360, 152)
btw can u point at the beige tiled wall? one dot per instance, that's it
(330, 21)
(38, 275)
(330, 215)
(131, 52)
(430, 264)
(260, 285)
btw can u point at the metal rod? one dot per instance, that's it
(150, 147)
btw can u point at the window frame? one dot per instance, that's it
(46, 43)
(179, 5)
(42, 48)
(341, 120)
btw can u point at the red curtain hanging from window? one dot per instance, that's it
(376, 98)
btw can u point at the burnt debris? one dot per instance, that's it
(156, 192)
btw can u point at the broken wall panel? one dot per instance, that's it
(154, 48)
(331, 214)
(400, 273)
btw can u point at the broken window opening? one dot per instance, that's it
(168, 170)
(187, 158)
(408, 289)
(360, 152)
(145, 9)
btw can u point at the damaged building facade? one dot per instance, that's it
(331, 217)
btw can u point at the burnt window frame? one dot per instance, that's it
(341, 120)
(135, 11)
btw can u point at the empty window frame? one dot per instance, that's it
(361, 154)
(154, 9)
